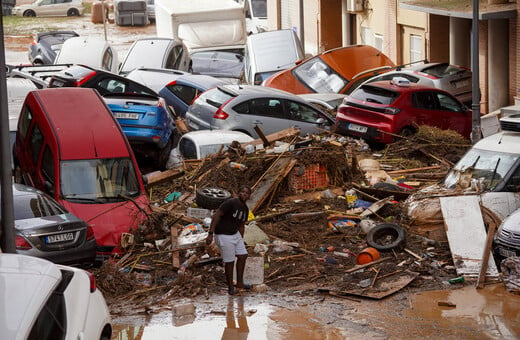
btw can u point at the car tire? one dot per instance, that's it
(211, 198)
(29, 13)
(386, 237)
(407, 132)
(73, 12)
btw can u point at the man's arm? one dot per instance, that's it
(214, 221)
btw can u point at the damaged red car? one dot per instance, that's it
(69, 145)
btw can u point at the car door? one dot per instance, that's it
(306, 118)
(424, 111)
(453, 114)
(267, 113)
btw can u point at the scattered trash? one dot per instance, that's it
(172, 197)
(456, 280)
(367, 255)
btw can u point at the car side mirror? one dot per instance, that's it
(320, 121)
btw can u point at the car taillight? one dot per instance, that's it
(92, 279)
(220, 114)
(156, 139)
(83, 80)
(34, 42)
(392, 110)
(90, 233)
(426, 75)
(22, 243)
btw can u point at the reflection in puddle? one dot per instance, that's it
(237, 321)
(495, 310)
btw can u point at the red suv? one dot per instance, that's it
(398, 106)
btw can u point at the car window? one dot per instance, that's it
(24, 122)
(215, 97)
(374, 94)
(448, 103)
(36, 142)
(242, 108)
(111, 85)
(48, 165)
(300, 112)
(390, 76)
(187, 148)
(175, 58)
(443, 70)
(513, 184)
(183, 92)
(424, 100)
(269, 107)
(108, 59)
(29, 206)
(317, 75)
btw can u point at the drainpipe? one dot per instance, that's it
(475, 105)
(7, 244)
(302, 29)
(344, 24)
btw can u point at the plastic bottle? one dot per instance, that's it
(238, 166)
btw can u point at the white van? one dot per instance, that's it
(269, 52)
(256, 15)
(91, 51)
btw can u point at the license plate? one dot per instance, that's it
(59, 238)
(126, 115)
(506, 252)
(357, 128)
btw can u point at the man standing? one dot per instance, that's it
(227, 224)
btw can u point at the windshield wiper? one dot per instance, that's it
(494, 172)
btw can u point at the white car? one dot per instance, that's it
(43, 300)
(91, 51)
(49, 8)
(199, 144)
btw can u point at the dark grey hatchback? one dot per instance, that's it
(44, 228)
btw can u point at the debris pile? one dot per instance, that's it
(312, 233)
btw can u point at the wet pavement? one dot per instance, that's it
(465, 313)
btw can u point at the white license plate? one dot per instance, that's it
(126, 115)
(506, 252)
(59, 238)
(357, 128)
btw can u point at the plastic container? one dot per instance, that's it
(351, 198)
(239, 166)
(367, 255)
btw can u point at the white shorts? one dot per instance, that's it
(230, 246)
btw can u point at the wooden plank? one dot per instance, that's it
(269, 180)
(485, 256)
(466, 234)
(162, 176)
(290, 132)
(174, 234)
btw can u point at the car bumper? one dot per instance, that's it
(368, 133)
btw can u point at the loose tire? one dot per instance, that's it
(211, 198)
(386, 237)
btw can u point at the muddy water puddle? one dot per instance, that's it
(465, 313)
(236, 321)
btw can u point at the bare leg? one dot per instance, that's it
(228, 270)
(241, 265)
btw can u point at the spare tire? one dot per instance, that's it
(211, 198)
(386, 237)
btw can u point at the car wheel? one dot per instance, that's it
(211, 198)
(407, 132)
(29, 13)
(73, 12)
(386, 237)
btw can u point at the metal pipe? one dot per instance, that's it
(475, 104)
(7, 242)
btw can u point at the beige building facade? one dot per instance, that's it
(409, 31)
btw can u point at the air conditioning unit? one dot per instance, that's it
(355, 5)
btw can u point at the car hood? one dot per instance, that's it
(512, 222)
(110, 220)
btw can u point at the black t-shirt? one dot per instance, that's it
(234, 214)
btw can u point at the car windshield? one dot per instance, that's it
(34, 206)
(318, 76)
(443, 70)
(488, 167)
(374, 94)
(99, 180)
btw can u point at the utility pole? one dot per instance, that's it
(475, 100)
(7, 242)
